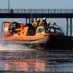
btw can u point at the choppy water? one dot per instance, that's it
(15, 57)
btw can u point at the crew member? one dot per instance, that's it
(43, 22)
(34, 24)
(38, 21)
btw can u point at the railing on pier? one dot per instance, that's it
(55, 11)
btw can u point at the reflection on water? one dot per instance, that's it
(36, 66)
(36, 60)
(24, 66)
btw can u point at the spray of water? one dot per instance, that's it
(4, 45)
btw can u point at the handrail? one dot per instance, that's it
(59, 11)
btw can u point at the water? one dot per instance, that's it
(14, 57)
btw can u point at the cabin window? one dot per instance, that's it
(40, 30)
(57, 30)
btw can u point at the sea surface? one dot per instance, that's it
(15, 57)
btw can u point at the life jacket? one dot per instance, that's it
(41, 23)
(34, 24)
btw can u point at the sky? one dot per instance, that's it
(38, 4)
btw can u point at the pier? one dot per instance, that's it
(40, 13)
